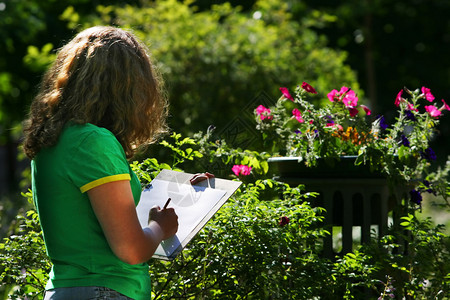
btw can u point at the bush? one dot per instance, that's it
(224, 58)
(24, 265)
(265, 242)
(246, 251)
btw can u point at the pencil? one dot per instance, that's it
(167, 203)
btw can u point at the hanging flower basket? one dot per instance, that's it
(343, 140)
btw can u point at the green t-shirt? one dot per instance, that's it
(84, 157)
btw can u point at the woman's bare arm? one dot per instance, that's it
(115, 210)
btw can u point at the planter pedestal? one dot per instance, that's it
(353, 200)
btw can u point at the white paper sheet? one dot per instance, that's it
(191, 204)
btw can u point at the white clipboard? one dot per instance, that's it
(194, 204)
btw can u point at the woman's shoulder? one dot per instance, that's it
(87, 134)
(86, 130)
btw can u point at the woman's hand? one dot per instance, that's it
(200, 177)
(166, 219)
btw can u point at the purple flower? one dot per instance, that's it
(428, 154)
(316, 133)
(383, 123)
(416, 197)
(410, 116)
(428, 188)
(329, 119)
(405, 141)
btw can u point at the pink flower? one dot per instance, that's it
(335, 127)
(344, 90)
(433, 111)
(428, 95)
(347, 96)
(445, 106)
(260, 109)
(350, 99)
(263, 113)
(333, 95)
(366, 109)
(411, 107)
(283, 221)
(241, 170)
(353, 111)
(308, 88)
(236, 169)
(286, 93)
(399, 98)
(298, 115)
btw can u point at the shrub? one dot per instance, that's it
(265, 242)
(24, 265)
(224, 57)
(246, 251)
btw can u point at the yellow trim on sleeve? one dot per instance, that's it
(104, 180)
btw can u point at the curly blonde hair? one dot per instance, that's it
(103, 76)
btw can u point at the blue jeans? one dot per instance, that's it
(84, 293)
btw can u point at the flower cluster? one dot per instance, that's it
(349, 99)
(263, 113)
(399, 149)
(432, 110)
(239, 170)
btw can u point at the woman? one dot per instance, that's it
(99, 101)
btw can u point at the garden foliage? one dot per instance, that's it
(265, 243)
(225, 57)
(221, 58)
